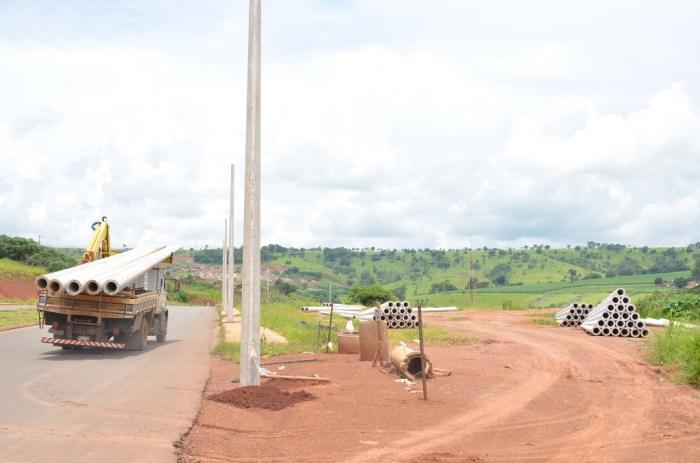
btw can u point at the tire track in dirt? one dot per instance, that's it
(553, 367)
(613, 413)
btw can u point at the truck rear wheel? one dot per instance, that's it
(161, 327)
(139, 339)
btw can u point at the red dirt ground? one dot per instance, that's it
(267, 396)
(17, 288)
(519, 393)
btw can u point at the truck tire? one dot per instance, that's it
(143, 335)
(139, 339)
(161, 322)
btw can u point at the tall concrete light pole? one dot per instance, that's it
(231, 285)
(250, 315)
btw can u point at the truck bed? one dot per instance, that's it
(127, 305)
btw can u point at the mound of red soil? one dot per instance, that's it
(17, 288)
(265, 396)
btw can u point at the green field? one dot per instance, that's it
(10, 268)
(21, 317)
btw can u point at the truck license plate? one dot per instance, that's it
(83, 338)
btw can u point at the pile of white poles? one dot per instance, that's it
(614, 316)
(397, 314)
(573, 314)
(109, 275)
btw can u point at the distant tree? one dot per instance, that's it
(400, 292)
(370, 295)
(696, 268)
(680, 282)
(593, 276)
(658, 281)
(500, 280)
(284, 287)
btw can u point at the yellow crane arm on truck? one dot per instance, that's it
(99, 243)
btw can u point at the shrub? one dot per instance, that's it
(370, 295)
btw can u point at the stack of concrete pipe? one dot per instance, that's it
(397, 314)
(615, 316)
(573, 315)
(109, 275)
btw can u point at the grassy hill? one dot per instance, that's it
(531, 276)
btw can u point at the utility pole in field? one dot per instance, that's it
(250, 315)
(230, 283)
(224, 280)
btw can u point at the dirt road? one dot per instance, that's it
(519, 393)
(86, 406)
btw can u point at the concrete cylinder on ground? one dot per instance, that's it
(371, 337)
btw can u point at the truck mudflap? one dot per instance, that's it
(75, 342)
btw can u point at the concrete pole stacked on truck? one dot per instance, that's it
(231, 285)
(250, 316)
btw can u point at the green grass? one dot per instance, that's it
(542, 319)
(18, 317)
(433, 336)
(10, 268)
(679, 349)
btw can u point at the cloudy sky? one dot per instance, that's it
(389, 123)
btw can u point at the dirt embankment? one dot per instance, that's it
(15, 288)
(520, 393)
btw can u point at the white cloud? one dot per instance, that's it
(409, 132)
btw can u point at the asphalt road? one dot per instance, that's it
(106, 406)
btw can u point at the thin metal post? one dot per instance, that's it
(330, 326)
(422, 352)
(230, 284)
(250, 315)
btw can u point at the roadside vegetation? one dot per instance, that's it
(21, 317)
(31, 253)
(676, 347)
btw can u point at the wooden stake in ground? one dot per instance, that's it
(230, 283)
(330, 327)
(378, 353)
(422, 352)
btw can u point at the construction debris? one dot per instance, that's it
(615, 316)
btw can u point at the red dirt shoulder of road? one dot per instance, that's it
(521, 392)
(17, 288)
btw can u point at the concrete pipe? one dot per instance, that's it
(407, 360)
(600, 323)
(405, 304)
(634, 333)
(610, 323)
(634, 316)
(615, 332)
(401, 324)
(402, 311)
(631, 308)
(386, 310)
(414, 318)
(625, 300)
(644, 333)
(640, 324)
(620, 323)
(615, 315)
(393, 324)
(625, 315)
(624, 332)
(575, 305)
(595, 331)
(605, 315)
(606, 331)
(590, 306)
(631, 324)
(621, 308)
(394, 310)
(564, 323)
